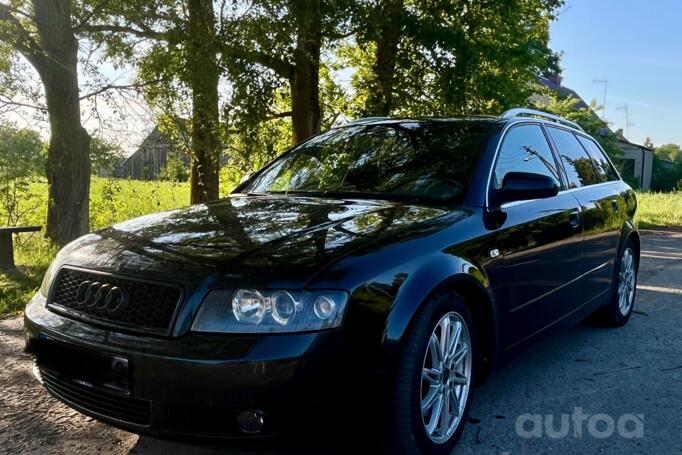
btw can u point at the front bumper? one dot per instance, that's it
(196, 385)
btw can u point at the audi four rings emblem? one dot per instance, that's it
(102, 296)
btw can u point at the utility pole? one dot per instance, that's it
(603, 106)
(627, 119)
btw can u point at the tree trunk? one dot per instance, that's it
(305, 77)
(380, 99)
(68, 161)
(204, 77)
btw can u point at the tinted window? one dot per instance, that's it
(525, 149)
(601, 163)
(578, 165)
(412, 160)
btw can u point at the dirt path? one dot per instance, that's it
(33, 422)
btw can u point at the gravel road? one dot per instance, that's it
(625, 383)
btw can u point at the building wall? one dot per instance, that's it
(643, 162)
(150, 158)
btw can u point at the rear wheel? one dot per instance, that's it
(434, 379)
(619, 309)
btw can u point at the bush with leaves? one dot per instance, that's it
(175, 169)
(22, 160)
(665, 177)
(104, 156)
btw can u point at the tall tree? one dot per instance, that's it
(385, 30)
(451, 57)
(304, 72)
(178, 62)
(42, 32)
(278, 43)
(203, 79)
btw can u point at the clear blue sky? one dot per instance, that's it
(637, 46)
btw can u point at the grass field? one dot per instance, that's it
(660, 209)
(114, 200)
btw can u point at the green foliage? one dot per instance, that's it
(666, 176)
(33, 253)
(670, 152)
(22, 160)
(104, 156)
(667, 168)
(175, 169)
(456, 57)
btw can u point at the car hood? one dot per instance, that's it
(267, 237)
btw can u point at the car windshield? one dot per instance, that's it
(402, 160)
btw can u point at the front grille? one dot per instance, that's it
(125, 409)
(150, 307)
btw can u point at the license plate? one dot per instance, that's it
(84, 367)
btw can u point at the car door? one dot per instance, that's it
(598, 202)
(539, 239)
(614, 203)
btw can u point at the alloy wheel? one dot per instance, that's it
(626, 282)
(446, 377)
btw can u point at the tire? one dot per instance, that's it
(619, 309)
(407, 432)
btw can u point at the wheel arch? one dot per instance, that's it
(630, 232)
(467, 281)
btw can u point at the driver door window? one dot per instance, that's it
(525, 149)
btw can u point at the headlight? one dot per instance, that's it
(270, 311)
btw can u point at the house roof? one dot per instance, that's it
(624, 141)
(565, 91)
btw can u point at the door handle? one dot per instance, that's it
(614, 205)
(574, 218)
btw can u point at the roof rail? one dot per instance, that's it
(522, 112)
(363, 120)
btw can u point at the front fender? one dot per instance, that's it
(438, 271)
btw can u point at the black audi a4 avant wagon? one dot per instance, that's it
(390, 262)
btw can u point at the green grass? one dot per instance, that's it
(112, 201)
(660, 210)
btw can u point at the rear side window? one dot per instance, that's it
(601, 163)
(576, 161)
(525, 149)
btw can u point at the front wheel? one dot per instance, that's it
(434, 379)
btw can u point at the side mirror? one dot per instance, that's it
(523, 186)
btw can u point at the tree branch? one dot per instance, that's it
(139, 32)
(282, 68)
(108, 87)
(95, 10)
(4, 101)
(18, 37)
